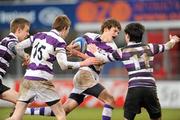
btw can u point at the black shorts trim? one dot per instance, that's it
(79, 98)
(93, 91)
(52, 102)
(3, 88)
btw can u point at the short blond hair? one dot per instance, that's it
(61, 22)
(18, 23)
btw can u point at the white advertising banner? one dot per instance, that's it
(169, 93)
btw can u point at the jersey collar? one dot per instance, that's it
(55, 32)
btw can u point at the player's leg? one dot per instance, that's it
(45, 92)
(130, 115)
(109, 104)
(151, 103)
(72, 102)
(44, 111)
(19, 111)
(101, 93)
(8, 94)
(57, 109)
(132, 105)
(26, 95)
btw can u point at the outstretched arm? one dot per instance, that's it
(173, 40)
(105, 57)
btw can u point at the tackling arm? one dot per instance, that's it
(21, 46)
(65, 64)
(105, 57)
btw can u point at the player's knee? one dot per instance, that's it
(67, 110)
(110, 100)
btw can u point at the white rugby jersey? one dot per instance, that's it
(46, 48)
(104, 47)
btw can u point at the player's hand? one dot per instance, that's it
(72, 52)
(70, 49)
(71, 46)
(26, 60)
(92, 48)
(76, 53)
(175, 38)
(91, 61)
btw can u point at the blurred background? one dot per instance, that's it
(160, 17)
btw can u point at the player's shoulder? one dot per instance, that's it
(92, 35)
(55, 35)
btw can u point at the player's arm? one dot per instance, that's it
(65, 64)
(71, 48)
(158, 48)
(173, 40)
(105, 57)
(75, 52)
(21, 46)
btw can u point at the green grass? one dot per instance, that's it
(95, 114)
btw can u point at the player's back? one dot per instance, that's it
(44, 46)
(138, 60)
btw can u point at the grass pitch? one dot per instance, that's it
(95, 114)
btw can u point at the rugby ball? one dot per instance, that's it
(81, 44)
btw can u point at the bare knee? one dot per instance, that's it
(110, 100)
(107, 98)
(67, 110)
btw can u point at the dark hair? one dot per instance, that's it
(135, 32)
(61, 22)
(18, 23)
(109, 23)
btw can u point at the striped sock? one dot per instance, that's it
(107, 112)
(45, 111)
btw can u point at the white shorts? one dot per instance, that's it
(83, 80)
(41, 90)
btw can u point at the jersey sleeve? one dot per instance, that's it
(60, 50)
(22, 45)
(60, 46)
(11, 46)
(109, 57)
(157, 48)
(117, 55)
(64, 63)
